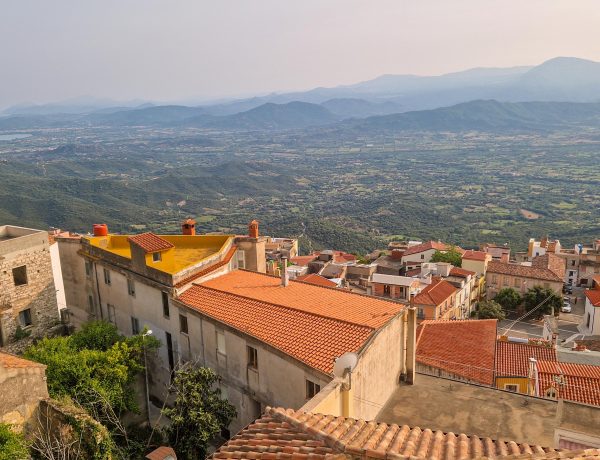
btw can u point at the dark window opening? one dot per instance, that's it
(312, 389)
(183, 324)
(165, 303)
(20, 275)
(252, 357)
(25, 318)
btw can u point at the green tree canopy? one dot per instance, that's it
(536, 295)
(199, 412)
(12, 444)
(451, 255)
(489, 309)
(508, 298)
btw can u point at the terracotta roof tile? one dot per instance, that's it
(161, 453)
(512, 358)
(313, 278)
(435, 293)
(574, 382)
(150, 242)
(465, 348)
(522, 271)
(593, 296)
(438, 246)
(329, 302)
(475, 255)
(457, 271)
(281, 434)
(311, 338)
(8, 360)
(209, 269)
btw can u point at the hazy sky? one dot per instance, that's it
(173, 50)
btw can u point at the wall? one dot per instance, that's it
(424, 256)
(495, 282)
(38, 294)
(521, 382)
(477, 266)
(593, 313)
(578, 426)
(22, 389)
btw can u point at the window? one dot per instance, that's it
(91, 303)
(25, 318)
(221, 343)
(252, 357)
(241, 259)
(517, 282)
(386, 289)
(88, 268)
(506, 280)
(551, 392)
(170, 352)
(183, 324)
(511, 387)
(494, 279)
(312, 389)
(165, 302)
(420, 313)
(106, 276)
(130, 287)
(135, 326)
(156, 257)
(112, 317)
(422, 256)
(572, 263)
(20, 275)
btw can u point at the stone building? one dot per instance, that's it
(27, 291)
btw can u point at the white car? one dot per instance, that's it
(566, 308)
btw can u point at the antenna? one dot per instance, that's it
(345, 364)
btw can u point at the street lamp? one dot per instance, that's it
(148, 332)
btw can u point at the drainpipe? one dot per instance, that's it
(534, 377)
(411, 345)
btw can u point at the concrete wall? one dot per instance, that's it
(22, 389)
(29, 248)
(590, 322)
(424, 256)
(578, 426)
(496, 281)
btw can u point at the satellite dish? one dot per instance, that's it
(345, 362)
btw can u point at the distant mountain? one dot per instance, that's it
(77, 105)
(271, 116)
(360, 108)
(486, 116)
(151, 116)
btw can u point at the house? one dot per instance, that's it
(28, 295)
(402, 288)
(515, 366)
(287, 434)
(254, 328)
(498, 253)
(23, 386)
(278, 248)
(424, 252)
(476, 261)
(546, 271)
(437, 301)
(390, 264)
(590, 324)
(570, 381)
(459, 350)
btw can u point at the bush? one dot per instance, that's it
(488, 309)
(451, 256)
(536, 295)
(12, 444)
(508, 298)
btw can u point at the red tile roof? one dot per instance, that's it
(302, 261)
(11, 361)
(593, 296)
(475, 255)
(150, 242)
(282, 434)
(457, 271)
(465, 348)
(574, 382)
(209, 269)
(162, 453)
(437, 245)
(435, 293)
(329, 302)
(318, 280)
(522, 271)
(311, 338)
(512, 358)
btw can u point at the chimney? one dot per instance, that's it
(188, 227)
(397, 254)
(284, 274)
(253, 229)
(505, 257)
(100, 230)
(533, 378)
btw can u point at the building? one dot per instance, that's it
(313, 278)
(515, 367)
(400, 288)
(23, 386)
(287, 434)
(590, 324)
(28, 294)
(254, 328)
(570, 381)
(546, 271)
(437, 301)
(459, 350)
(421, 253)
(278, 248)
(498, 253)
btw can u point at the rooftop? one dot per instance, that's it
(465, 348)
(575, 382)
(288, 434)
(313, 278)
(437, 245)
(475, 255)
(435, 293)
(328, 302)
(522, 271)
(8, 360)
(512, 358)
(593, 296)
(9, 232)
(187, 250)
(393, 279)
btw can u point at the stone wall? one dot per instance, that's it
(37, 293)
(22, 389)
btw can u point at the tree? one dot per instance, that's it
(536, 295)
(12, 444)
(489, 309)
(508, 298)
(198, 414)
(451, 255)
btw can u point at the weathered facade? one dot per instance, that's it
(27, 291)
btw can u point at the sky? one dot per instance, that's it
(193, 50)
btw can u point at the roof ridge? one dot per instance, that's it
(285, 306)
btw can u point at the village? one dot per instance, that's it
(412, 335)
